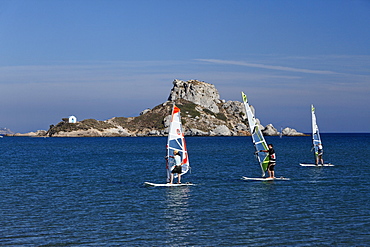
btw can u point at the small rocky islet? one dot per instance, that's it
(203, 113)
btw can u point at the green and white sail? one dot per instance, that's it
(257, 137)
(316, 140)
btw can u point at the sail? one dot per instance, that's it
(315, 133)
(257, 137)
(176, 141)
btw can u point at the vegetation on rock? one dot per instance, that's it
(86, 124)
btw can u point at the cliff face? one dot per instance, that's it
(200, 93)
(202, 114)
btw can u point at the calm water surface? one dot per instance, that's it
(89, 192)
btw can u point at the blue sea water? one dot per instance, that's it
(90, 192)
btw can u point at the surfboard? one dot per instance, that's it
(166, 185)
(316, 165)
(265, 179)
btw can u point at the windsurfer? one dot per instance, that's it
(177, 169)
(272, 160)
(320, 152)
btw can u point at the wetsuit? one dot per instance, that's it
(272, 159)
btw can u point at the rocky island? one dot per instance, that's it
(5, 131)
(203, 113)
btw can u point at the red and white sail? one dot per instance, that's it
(176, 141)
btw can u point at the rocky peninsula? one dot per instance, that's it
(203, 113)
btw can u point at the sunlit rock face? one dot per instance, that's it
(200, 93)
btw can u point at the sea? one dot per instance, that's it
(91, 192)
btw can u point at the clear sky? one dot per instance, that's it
(101, 59)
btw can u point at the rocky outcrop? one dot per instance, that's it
(270, 130)
(291, 132)
(195, 132)
(6, 131)
(202, 114)
(39, 133)
(221, 130)
(200, 93)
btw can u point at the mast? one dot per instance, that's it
(176, 141)
(257, 137)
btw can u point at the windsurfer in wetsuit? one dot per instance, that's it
(272, 160)
(177, 169)
(319, 154)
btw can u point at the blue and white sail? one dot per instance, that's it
(257, 137)
(316, 140)
(176, 141)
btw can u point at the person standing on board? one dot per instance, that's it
(319, 154)
(177, 169)
(272, 160)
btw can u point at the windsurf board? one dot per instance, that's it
(166, 185)
(316, 165)
(265, 179)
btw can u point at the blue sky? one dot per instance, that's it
(101, 59)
